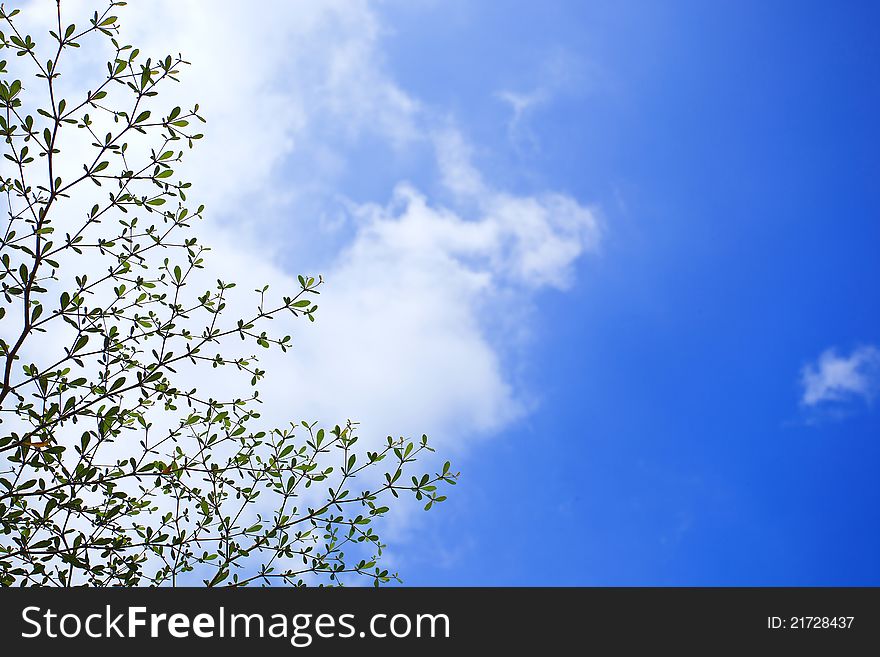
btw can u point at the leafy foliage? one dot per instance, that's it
(112, 471)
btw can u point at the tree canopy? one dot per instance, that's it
(113, 469)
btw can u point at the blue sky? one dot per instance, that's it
(614, 257)
(732, 148)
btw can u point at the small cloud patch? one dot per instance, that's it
(836, 381)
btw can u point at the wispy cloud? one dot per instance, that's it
(522, 104)
(835, 379)
(559, 74)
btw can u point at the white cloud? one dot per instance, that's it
(406, 339)
(401, 343)
(834, 378)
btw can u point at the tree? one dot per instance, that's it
(113, 470)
